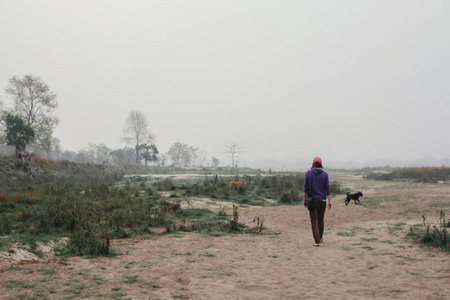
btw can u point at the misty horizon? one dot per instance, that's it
(356, 83)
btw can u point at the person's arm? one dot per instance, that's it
(329, 201)
(329, 204)
(306, 185)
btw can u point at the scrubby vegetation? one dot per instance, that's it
(53, 175)
(424, 174)
(434, 236)
(92, 204)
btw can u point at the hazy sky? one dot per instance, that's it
(284, 79)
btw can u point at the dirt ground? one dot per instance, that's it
(364, 256)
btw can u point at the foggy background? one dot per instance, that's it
(355, 82)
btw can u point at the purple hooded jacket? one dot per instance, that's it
(317, 184)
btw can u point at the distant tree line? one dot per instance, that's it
(423, 174)
(28, 120)
(102, 154)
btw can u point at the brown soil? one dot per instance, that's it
(364, 255)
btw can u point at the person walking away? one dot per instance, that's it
(317, 188)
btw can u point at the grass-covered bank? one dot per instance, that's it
(207, 261)
(48, 175)
(91, 204)
(423, 174)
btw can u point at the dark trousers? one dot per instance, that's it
(317, 215)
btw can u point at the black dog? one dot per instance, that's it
(353, 197)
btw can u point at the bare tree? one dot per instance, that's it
(201, 158)
(215, 161)
(163, 159)
(50, 147)
(183, 155)
(191, 156)
(136, 132)
(234, 151)
(56, 148)
(2, 129)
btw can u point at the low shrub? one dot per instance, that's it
(291, 197)
(434, 236)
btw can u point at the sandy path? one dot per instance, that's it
(364, 256)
